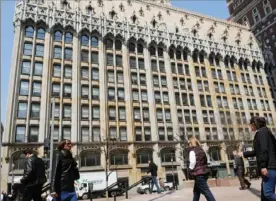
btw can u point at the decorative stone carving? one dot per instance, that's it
(122, 8)
(53, 16)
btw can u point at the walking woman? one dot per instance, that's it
(199, 169)
(65, 172)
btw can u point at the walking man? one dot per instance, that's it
(239, 170)
(153, 171)
(264, 145)
(34, 177)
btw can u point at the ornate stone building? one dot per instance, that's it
(142, 72)
(260, 17)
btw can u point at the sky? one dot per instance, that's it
(215, 8)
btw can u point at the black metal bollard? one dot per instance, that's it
(115, 197)
(126, 192)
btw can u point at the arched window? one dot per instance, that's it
(109, 44)
(132, 47)
(232, 61)
(41, 33)
(211, 58)
(94, 41)
(217, 59)
(58, 36)
(201, 57)
(68, 37)
(140, 49)
(171, 53)
(195, 56)
(118, 45)
(84, 40)
(160, 52)
(226, 61)
(178, 54)
(90, 159)
(143, 156)
(185, 54)
(29, 31)
(119, 158)
(18, 161)
(152, 51)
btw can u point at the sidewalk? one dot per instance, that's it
(220, 193)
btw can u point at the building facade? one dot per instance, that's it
(142, 72)
(260, 17)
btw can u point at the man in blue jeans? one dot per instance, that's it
(264, 144)
(153, 170)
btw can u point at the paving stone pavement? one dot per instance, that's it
(220, 193)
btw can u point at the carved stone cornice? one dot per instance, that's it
(78, 21)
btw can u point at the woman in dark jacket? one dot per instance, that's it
(65, 173)
(198, 166)
(264, 149)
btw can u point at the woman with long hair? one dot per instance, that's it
(199, 170)
(65, 172)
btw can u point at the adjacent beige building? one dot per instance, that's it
(143, 72)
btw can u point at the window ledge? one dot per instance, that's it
(170, 164)
(114, 167)
(142, 165)
(89, 168)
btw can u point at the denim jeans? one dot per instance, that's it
(67, 196)
(269, 183)
(154, 182)
(201, 187)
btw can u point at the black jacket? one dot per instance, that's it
(264, 149)
(153, 169)
(239, 164)
(34, 172)
(65, 172)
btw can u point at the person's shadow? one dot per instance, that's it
(255, 192)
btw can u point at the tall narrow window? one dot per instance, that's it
(33, 135)
(38, 68)
(58, 36)
(39, 50)
(68, 38)
(26, 67)
(84, 40)
(24, 88)
(41, 33)
(20, 134)
(28, 49)
(29, 31)
(22, 110)
(57, 53)
(94, 41)
(35, 110)
(36, 89)
(68, 54)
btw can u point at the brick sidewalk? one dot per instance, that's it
(220, 193)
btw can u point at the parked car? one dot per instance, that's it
(144, 188)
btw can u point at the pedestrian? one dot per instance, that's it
(33, 177)
(198, 166)
(153, 170)
(264, 149)
(65, 173)
(161, 182)
(239, 170)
